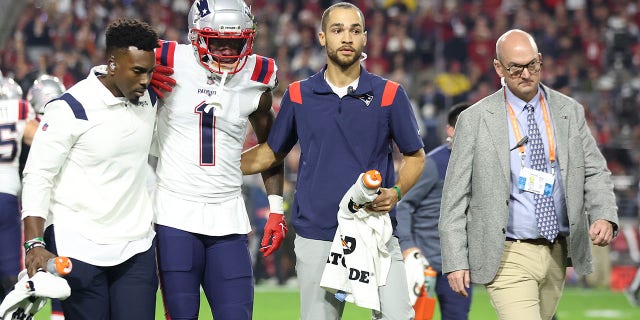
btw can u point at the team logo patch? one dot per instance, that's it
(366, 98)
(203, 8)
(45, 127)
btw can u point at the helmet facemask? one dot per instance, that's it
(221, 32)
(222, 52)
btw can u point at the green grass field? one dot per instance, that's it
(281, 303)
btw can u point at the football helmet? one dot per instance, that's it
(44, 89)
(9, 89)
(221, 32)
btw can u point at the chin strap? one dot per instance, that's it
(214, 100)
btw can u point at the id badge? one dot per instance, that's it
(535, 181)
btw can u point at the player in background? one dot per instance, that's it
(202, 222)
(44, 89)
(17, 125)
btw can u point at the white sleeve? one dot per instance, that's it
(56, 135)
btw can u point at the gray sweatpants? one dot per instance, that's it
(318, 304)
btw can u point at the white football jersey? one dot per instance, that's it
(202, 124)
(14, 115)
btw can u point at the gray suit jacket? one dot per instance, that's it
(475, 203)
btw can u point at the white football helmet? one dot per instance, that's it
(216, 26)
(44, 89)
(9, 89)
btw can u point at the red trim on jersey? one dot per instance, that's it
(263, 70)
(23, 109)
(295, 94)
(165, 54)
(270, 70)
(389, 93)
(257, 69)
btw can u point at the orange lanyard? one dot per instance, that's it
(547, 124)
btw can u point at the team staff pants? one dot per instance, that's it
(318, 304)
(121, 292)
(10, 247)
(530, 281)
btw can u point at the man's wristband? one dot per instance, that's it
(276, 203)
(33, 243)
(398, 192)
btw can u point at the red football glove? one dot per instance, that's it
(275, 230)
(161, 80)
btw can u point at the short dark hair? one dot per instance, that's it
(455, 111)
(343, 5)
(123, 33)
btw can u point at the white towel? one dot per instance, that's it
(359, 261)
(29, 295)
(414, 265)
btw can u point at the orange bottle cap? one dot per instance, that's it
(63, 265)
(372, 179)
(430, 272)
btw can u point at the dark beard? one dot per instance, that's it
(344, 64)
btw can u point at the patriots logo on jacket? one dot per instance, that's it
(366, 98)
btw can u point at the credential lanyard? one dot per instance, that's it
(547, 125)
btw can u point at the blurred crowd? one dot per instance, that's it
(441, 51)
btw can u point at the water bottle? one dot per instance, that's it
(371, 181)
(430, 281)
(426, 303)
(366, 190)
(59, 266)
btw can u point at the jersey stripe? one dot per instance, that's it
(295, 94)
(389, 93)
(257, 69)
(166, 53)
(23, 109)
(76, 106)
(263, 70)
(153, 96)
(270, 70)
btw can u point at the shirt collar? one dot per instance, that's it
(101, 91)
(518, 104)
(320, 85)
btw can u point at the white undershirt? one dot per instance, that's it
(342, 91)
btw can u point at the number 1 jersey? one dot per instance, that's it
(202, 124)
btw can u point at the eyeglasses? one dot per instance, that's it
(516, 69)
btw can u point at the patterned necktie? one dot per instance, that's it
(545, 209)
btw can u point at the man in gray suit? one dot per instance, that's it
(526, 190)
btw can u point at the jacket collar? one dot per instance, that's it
(102, 92)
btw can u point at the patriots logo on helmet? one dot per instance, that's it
(221, 33)
(203, 8)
